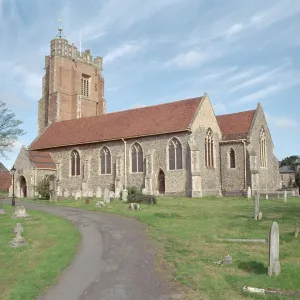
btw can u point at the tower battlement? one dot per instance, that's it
(61, 47)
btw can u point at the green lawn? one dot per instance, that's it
(25, 272)
(185, 227)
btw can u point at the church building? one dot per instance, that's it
(178, 148)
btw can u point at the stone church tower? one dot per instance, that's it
(73, 85)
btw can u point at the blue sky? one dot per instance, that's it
(239, 52)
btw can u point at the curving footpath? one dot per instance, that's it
(114, 260)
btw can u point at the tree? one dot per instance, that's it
(9, 129)
(288, 161)
(297, 180)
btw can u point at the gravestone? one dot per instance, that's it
(220, 195)
(274, 264)
(135, 206)
(285, 196)
(100, 204)
(20, 212)
(90, 193)
(88, 200)
(267, 197)
(296, 230)
(66, 193)
(249, 192)
(256, 206)
(2, 211)
(125, 195)
(78, 195)
(98, 192)
(117, 193)
(53, 190)
(106, 196)
(18, 240)
(111, 194)
(144, 192)
(227, 260)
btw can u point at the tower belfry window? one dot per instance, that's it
(85, 85)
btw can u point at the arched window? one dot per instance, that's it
(75, 163)
(105, 160)
(263, 148)
(232, 158)
(175, 154)
(137, 159)
(209, 149)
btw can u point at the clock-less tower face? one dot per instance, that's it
(73, 86)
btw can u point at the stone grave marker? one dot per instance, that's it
(106, 195)
(111, 194)
(125, 195)
(100, 204)
(285, 196)
(227, 260)
(256, 206)
(144, 192)
(90, 193)
(78, 195)
(274, 264)
(267, 197)
(18, 240)
(135, 206)
(297, 230)
(249, 193)
(98, 192)
(20, 212)
(117, 193)
(88, 200)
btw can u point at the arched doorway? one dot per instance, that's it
(23, 187)
(161, 182)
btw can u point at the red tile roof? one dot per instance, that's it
(235, 126)
(41, 160)
(145, 121)
(5, 180)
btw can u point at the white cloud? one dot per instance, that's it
(192, 58)
(129, 48)
(281, 121)
(259, 78)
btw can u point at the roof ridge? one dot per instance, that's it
(240, 112)
(131, 109)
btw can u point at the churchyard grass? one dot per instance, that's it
(185, 230)
(26, 271)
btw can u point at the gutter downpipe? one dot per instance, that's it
(245, 173)
(125, 164)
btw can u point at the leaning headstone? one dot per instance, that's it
(296, 230)
(249, 193)
(98, 192)
(20, 212)
(274, 264)
(227, 260)
(125, 195)
(18, 240)
(106, 196)
(285, 196)
(256, 206)
(2, 211)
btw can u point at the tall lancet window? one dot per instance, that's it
(175, 154)
(263, 148)
(209, 149)
(232, 158)
(137, 159)
(105, 159)
(75, 163)
(85, 85)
